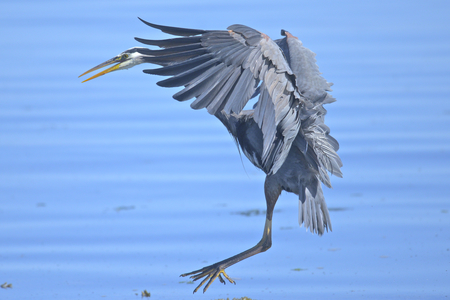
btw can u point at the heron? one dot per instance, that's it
(283, 134)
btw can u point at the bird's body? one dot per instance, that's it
(295, 175)
(284, 134)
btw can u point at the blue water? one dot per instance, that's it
(111, 187)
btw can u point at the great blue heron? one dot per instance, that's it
(284, 134)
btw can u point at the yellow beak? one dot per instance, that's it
(106, 63)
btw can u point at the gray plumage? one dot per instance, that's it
(284, 134)
(288, 119)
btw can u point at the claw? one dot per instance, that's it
(229, 279)
(209, 273)
(221, 279)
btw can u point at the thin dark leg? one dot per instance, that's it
(218, 269)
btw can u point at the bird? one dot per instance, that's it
(283, 134)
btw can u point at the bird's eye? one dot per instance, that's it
(121, 57)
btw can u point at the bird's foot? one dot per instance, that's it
(210, 273)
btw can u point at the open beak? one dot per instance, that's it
(106, 63)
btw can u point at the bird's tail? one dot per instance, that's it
(312, 209)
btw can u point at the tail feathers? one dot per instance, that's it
(313, 211)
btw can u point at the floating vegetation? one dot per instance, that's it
(356, 194)
(243, 298)
(286, 228)
(120, 208)
(145, 294)
(299, 269)
(187, 282)
(337, 208)
(6, 285)
(334, 249)
(253, 212)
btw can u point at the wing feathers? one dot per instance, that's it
(198, 86)
(180, 67)
(175, 57)
(244, 89)
(216, 104)
(189, 75)
(174, 30)
(208, 96)
(170, 42)
(223, 69)
(172, 50)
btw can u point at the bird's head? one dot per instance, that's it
(125, 60)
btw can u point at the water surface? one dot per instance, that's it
(111, 187)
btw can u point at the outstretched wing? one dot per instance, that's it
(315, 141)
(222, 70)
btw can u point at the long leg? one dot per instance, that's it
(272, 192)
